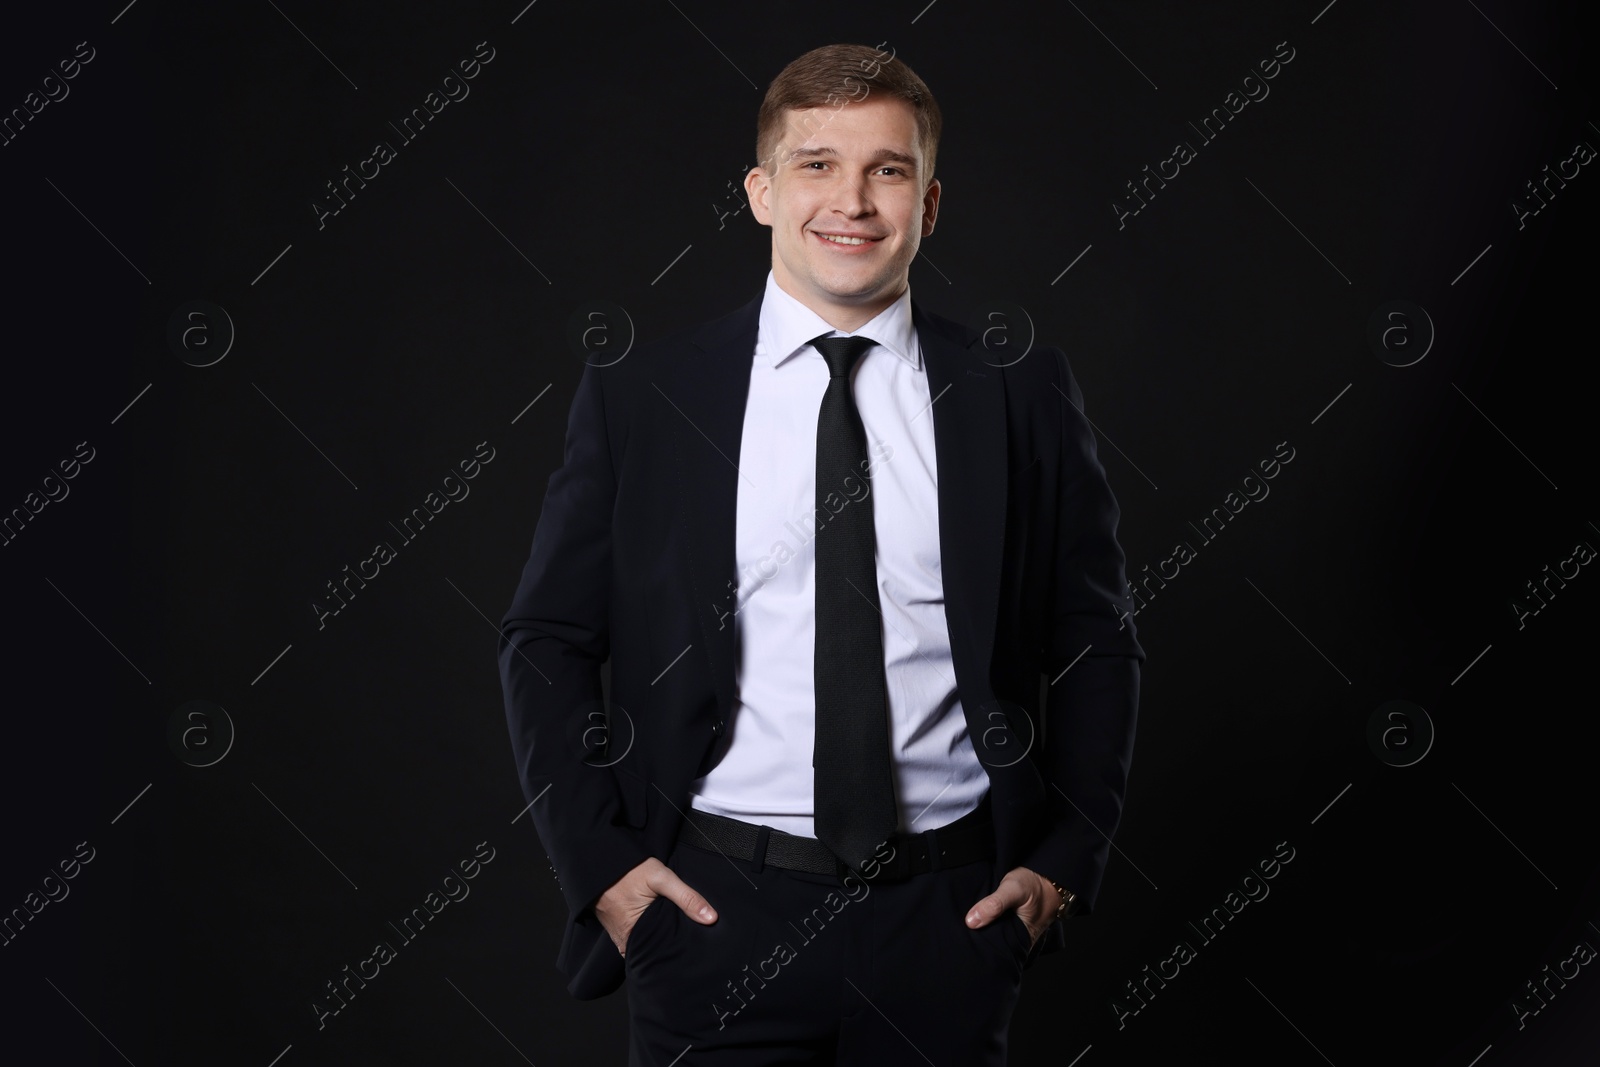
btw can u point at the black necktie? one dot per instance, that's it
(855, 808)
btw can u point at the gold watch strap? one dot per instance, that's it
(1069, 899)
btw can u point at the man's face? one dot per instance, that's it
(854, 172)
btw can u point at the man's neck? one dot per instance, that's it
(846, 318)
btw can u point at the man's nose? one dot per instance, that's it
(850, 198)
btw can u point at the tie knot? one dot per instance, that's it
(841, 352)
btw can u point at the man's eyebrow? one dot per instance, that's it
(889, 154)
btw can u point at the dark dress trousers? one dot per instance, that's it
(633, 561)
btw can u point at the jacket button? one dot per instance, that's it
(716, 728)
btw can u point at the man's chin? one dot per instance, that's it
(853, 290)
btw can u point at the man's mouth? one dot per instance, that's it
(846, 240)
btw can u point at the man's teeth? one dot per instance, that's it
(843, 240)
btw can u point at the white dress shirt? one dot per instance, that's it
(763, 772)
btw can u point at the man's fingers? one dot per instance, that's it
(991, 907)
(667, 884)
(621, 905)
(986, 911)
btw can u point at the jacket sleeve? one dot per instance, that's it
(553, 640)
(1090, 710)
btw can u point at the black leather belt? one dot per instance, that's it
(967, 840)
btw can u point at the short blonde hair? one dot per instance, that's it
(838, 73)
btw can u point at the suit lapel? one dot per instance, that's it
(710, 394)
(969, 433)
(709, 390)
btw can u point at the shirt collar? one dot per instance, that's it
(787, 326)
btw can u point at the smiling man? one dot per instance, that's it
(848, 205)
(873, 680)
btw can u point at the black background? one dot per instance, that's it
(594, 149)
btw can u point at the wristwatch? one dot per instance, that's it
(1069, 899)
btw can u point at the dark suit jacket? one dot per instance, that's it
(633, 559)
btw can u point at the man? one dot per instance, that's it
(871, 710)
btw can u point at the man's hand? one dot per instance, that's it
(1035, 899)
(619, 907)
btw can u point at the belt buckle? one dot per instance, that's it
(882, 872)
(897, 868)
(900, 864)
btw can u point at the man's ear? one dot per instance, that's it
(757, 186)
(930, 207)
